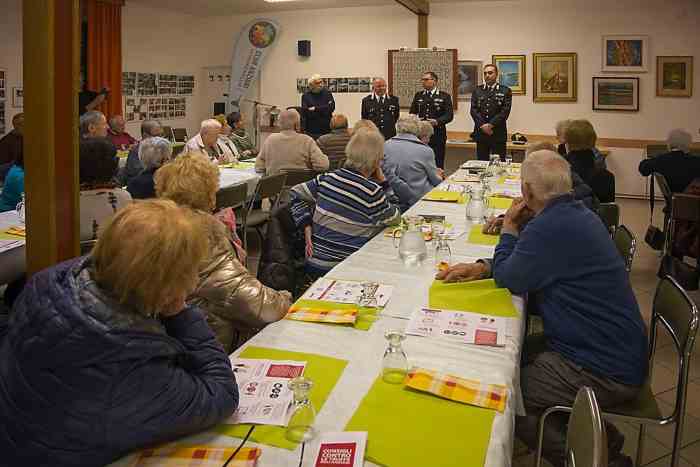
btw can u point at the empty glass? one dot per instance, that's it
(395, 362)
(443, 253)
(20, 209)
(301, 423)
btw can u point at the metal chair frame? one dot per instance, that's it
(586, 440)
(626, 244)
(609, 213)
(269, 187)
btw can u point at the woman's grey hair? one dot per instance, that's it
(364, 150)
(408, 124)
(289, 119)
(148, 127)
(154, 151)
(92, 117)
(540, 146)
(546, 174)
(560, 128)
(210, 124)
(679, 139)
(425, 129)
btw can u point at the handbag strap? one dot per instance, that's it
(651, 198)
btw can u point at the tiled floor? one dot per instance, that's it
(658, 442)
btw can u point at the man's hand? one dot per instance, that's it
(307, 239)
(463, 272)
(378, 175)
(493, 225)
(441, 173)
(487, 128)
(517, 215)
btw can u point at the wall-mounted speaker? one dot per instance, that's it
(219, 108)
(304, 48)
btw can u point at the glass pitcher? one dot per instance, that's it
(301, 423)
(476, 207)
(395, 362)
(412, 249)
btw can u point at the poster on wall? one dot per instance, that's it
(167, 84)
(406, 67)
(128, 83)
(154, 108)
(338, 85)
(185, 85)
(146, 84)
(254, 42)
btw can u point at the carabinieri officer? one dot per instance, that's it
(490, 109)
(434, 106)
(381, 108)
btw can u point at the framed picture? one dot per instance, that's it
(625, 53)
(18, 97)
(469, 76)
(615, 93)
(511, 72)
(555, 77)
(674, 76)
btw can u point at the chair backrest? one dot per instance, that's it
(677, 313)
(685, 207)
(586, 441)
(626, 244)
(180, 135)
(270, 186)
(168, 133)
(86, 246)
(664, 187)
(656, 149)
(297, 176)
(232, 196)
(610, 215)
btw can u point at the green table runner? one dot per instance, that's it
(499, 202)
(239, 165)
(365, 316)
(409, 428)
(323, 371)
(477, 236)
(477, 296)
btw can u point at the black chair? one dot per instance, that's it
(180, 135)
(269, 188)
(610, 215)
(586, 440)
(626, 244)
(685, 214)
(232, 197)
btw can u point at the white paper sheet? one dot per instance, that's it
(343, 291)
(459, 326)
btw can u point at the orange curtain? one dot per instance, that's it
(104, 51)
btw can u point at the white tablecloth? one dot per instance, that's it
(13, 262)
(379, 261)
(231, 177)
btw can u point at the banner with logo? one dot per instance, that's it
(254, 42)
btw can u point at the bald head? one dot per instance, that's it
(289, 120)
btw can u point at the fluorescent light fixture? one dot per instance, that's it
(278, 1)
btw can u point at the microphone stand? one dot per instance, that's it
(256, 121)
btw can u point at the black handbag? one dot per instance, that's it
(686, 275)
(654, 237)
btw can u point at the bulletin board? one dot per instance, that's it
(406, 67)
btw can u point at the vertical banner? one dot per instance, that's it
(253, 43)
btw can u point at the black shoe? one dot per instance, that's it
(621, 461)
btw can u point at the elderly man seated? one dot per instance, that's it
(153, 153)
(333, 144)
(409, 163)
(117, 133)
(342, 210)
(93, 124)
(209, 140)
(239, 136)
(289, 149)
(678, 166)
(149, 129)
(566, 261)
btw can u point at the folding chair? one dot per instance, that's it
(270, 188)
(610, 215)
(626, 244)
(180, 135)
(586, 441)
(232, 197)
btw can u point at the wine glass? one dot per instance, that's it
(301, 423)
(395, 362)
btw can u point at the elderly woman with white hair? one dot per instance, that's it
(318, 105)
(342, 210)
(409, 163)
(153, 153)
(678, 166)
(566, 262)
(210, 141)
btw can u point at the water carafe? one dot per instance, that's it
(476, 207)
(412, 248)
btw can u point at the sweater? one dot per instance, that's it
(290, 150)
(13, 188)
(566, 257)
(345, 209)
(333, 145)
(318, 121)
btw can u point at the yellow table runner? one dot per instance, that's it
(477, 236)
(365, 316)
(477, 296)
(323, 371)
(408, 428)
(500, 202)
(239, 165)
(444, 196)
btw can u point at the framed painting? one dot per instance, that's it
(511, 72)
(555, 77)
(620, 94)
(674, 76)
(469, 76)
(625, 53)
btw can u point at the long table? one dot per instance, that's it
(379, 261)
(13, 261)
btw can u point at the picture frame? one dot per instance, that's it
(555, 77)
(625, 53)
(512, 72)
(614, 93)
(469, 76)
(18, 97)
(674, 76)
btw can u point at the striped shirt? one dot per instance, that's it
(345, 210)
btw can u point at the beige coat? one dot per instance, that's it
(290, 150)
(236, 304)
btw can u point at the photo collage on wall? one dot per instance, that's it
(140, 91)
(3, 93)
(338, 85)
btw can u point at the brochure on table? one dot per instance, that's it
(459, 326)
(340, 291)
(263, 389)
(342, 449)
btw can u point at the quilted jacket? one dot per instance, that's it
(84, 380)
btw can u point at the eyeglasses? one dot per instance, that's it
(426, 79)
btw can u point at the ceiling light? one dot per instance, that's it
(278, 1)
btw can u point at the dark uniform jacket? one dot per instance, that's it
(384, 113)
(491, 106)
(434, 104)
(318, 122)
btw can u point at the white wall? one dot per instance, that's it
(11, 53)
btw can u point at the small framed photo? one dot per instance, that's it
(469, 76)
(625, 53)
(511, 72)
(674, 76)
(619, 94)
(555, 76)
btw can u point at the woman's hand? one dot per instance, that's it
(309, 244)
